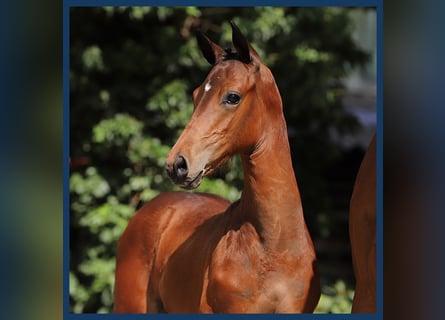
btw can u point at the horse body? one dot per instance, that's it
(197, 253)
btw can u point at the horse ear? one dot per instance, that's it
(241, 44)
(211, 51)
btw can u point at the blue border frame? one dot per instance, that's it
(66, 158)
(67, 4)
(225, 3)
(379, 141)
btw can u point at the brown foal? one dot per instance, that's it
(188, 252)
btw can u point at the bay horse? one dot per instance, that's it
(188, 252)
(362, 232)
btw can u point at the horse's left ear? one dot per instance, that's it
(244, 50)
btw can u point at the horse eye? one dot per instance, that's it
(232, 98)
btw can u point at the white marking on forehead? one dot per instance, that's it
(208, 86)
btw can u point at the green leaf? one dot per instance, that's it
(92, 58)
(116, 130)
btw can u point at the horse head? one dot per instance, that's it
(231, 110)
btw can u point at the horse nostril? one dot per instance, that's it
(180, 167)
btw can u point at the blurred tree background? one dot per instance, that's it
(132, 73)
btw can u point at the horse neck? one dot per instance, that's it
(270, 198)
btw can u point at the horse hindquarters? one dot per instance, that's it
(136, 255)
(134, 261)
(161, 229)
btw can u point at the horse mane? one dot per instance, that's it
(230, 54)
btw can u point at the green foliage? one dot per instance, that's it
(132, 73)
(335, 299)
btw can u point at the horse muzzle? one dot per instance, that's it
(178, 171)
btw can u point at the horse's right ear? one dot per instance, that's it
(211, 51)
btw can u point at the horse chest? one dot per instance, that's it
(244, 278)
